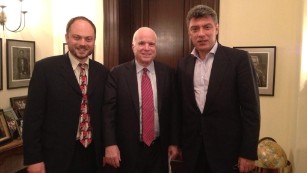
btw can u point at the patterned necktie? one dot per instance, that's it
(147, 109)
(85, 133)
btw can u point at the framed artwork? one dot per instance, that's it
(19, 104)
(1, 67)
(65, 50)
(263, 58)
(20, 62)
(4, 129)
(11, 120)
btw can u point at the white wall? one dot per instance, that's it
(46, 24)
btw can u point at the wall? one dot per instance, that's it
(280, 23)
(274, 23)
(46, 24)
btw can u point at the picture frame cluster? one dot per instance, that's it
(11, 120)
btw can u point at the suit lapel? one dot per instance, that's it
(219, 69)
(68, 73)
(190, 66)
(92, 73)
(160, 79)
(131, 79)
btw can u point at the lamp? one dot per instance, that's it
(22, 20)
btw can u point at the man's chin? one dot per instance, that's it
(82, 55)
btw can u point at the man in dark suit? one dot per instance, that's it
(219, 101)
(58, 107)
(125, 107)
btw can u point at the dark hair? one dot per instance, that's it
(200, 11)
(71, 21)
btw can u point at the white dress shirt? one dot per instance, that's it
(202, 72)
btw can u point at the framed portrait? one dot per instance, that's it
(1, 67)
(19, 104)
(20, 62)
(65, 50)
(4, 129)
(263, 58)
(11, 120)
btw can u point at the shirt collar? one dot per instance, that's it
(75, 62)
(139, 67)
(212, 51)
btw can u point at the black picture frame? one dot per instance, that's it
(264, 60)
(20, 62)
(5, 135)
(65, 50)
(18, 104)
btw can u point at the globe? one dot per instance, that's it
(270, 154)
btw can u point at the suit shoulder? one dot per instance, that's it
(52, 60)
(162, 66)
(232, 51)
(98, 65)
(122, 66)
(48, 64)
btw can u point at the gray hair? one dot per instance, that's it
(200, 11)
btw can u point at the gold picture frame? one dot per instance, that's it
(5, 135)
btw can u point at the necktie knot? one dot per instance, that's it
(82, 65)
(145, 70)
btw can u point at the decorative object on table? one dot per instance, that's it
(271, 157)
(20, 62)
(263, 58)
(5, 135)
(11, 119)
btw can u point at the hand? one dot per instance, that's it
(37, 168)
(245, 165)
(112, 156)
(173, 152)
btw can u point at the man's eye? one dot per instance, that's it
(194, 29)
(76, 37)
(89, 39)
(207, 27)
(141, 43)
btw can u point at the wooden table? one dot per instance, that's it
(11, 156)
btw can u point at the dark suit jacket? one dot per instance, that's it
(121, 112)
(229, 125)
(53, 109)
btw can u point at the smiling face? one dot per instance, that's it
(81, 39)
(144, 46)
(203, 32)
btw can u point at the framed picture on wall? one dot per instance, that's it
(263, 58)
(1, 67)
(4, 129)
(65, 50)
(20, 62)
